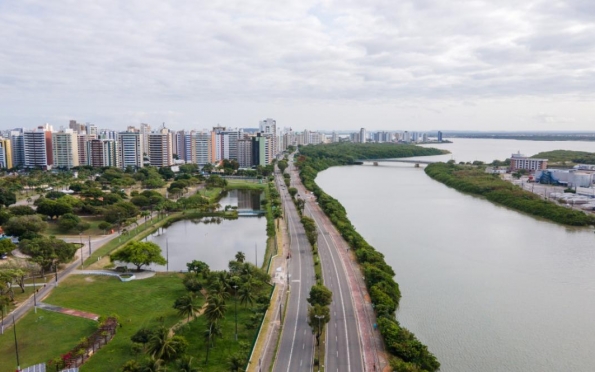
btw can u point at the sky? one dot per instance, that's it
(334, 65)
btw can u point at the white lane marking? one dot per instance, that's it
(340, 288)
(299, 292)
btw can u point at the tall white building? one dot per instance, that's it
(130, 149)
(145, 129)
(65, 149)
(18, 148)
(37, 145)
(362, 135)
(269, 126)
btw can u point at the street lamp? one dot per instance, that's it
(235, 294)
(318, 338)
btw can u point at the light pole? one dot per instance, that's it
(235, 295)
(34, 295)
(318, 338)
(82, 262)
(56, 271)
(16, 345)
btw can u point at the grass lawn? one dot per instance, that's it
(138, 303)
(94, 221)
(41, 337)
(233, 184)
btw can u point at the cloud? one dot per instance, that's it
(109, 58)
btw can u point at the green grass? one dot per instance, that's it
(233, 184)
(41, 337)
(225, 346)
(94, 230)
(138, 303)
(211, 194)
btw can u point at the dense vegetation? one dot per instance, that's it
(475, 181)
(407, 352)
(567, 156)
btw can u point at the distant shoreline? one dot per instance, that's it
(584, 138)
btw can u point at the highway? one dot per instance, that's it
(296, 347)
(351, 343)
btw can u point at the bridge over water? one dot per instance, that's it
(402, 160)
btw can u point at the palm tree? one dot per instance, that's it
(161, 346)
(246, 293)
(240, 257)
(186, 306)
(152, 364)
(184, 364)
(215, 309)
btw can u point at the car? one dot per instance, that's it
(3, 256)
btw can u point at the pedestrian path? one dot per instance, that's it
(62, 310)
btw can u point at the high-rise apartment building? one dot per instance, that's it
(103, 153)
(5, 153)
(269, 126)
(362, 135)
(245, 152)
(160, 148)
(145, 129)
(38, 151)
(18, 148)
(439, 136)
(203, 147)
(82, 146)
(65, 149)
(130, 148)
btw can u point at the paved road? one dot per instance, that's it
(352, 343)
(296, 348)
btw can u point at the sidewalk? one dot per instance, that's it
(263, 354)
(62, 310)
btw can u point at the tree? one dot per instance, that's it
(7, 197)
(240, 257)
(68, 222)
(6, 246)
(246, 294)
(142, 336)
(166, 173)
(161, 346)
(320, 295)
(22, 210)
(104, 225)
(186, 306)
(318, 316)
(192, 283)
(197, 267)
(186, 364)
(215, 309)
(19, 226)
(48, 251)
(139, 254)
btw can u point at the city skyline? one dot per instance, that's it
(309, 64)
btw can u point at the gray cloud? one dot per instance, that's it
(192, 62)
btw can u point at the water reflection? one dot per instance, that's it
(242, 199)
(212, 240)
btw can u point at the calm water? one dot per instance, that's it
(486, 288)
(215, 243)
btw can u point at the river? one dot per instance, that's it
(215, 240)
(485, 287)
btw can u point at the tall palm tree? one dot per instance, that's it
(240, 257)
(246, 294)
(161, 346)
(186, 306)
(215, 309)
(185, 364)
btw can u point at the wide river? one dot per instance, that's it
(485, 287)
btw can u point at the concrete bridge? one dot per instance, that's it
(250, 213)
(403, 160)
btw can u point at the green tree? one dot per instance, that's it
(7, 197)
(320, 295)
(246, 294)
(19, 226)
(142, 336)
(22, 210)
(198, 267)
(161, 346)
(48, 251)
(6, 246)
(215, 309)
(186, 364)
(186, 306)
(139, 254)
(240, 257)
(68, 222)
(318, 317)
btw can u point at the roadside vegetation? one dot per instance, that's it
(474, 180)
(407, 353)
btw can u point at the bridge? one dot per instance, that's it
(403, 160)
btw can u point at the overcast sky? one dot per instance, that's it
(379, 64)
